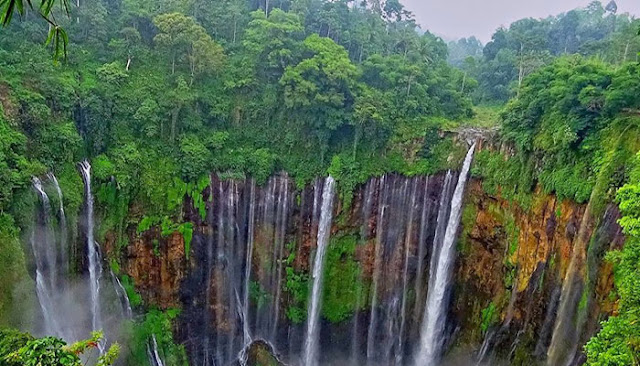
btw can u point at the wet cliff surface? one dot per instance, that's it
(512, 267)
(247, 271)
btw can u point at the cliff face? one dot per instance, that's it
(508, 276)
(511, 268)
(158, 266)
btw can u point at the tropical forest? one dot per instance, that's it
(316, 183)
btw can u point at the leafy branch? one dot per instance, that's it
(56, 36)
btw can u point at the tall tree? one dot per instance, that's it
(320, 87)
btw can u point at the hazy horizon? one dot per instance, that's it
(454, 19)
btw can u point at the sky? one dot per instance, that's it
(453, 19)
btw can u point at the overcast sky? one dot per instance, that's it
(453, 19)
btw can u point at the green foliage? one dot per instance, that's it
(185, 229)
(258, 295)
(297, 287)
(168, 227)
(511, 177)
(12, 268)
(56, 36)
(618, 342)
(468, 221)
(567, 124)
(11, 340)
(529, 44)
(195, 192)
(22, 349)
(15, 168)
(342, 283)
(513, 233)
(156, 324)
(195, 157)
(158, 100)
(489, 316)
(135, 299)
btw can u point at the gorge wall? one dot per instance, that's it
(246, 273)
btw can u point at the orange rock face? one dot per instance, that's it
(512, 255)
(157, 266)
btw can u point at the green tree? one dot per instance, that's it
(320, 87)
(273, 42)
(57, 35)
(20, 349)
(186, 41)
(618, 342)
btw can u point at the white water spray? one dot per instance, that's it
(324, 231)
(95, 268)
(431, 334)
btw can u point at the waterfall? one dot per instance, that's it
(266, 225)
(152, 352)
(208, 263)
(422, 239)
(547, 324)
(313, 315)
(569, 322)
(95, 267)
(122, 296)
(222, 261)
(405, 274)
(62, 242)
(247, 269)
(45, 260)
(281, 227)
(232, 259)
(364, 234)
(244, 251)
(49, 262)
(431, 335)
(441, 227)
(376, 269)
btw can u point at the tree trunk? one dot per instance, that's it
(356, 139)
(521, 69)
(192, 66)
(626, 53)
(464, 80)
(174, 121)
(128, 63)
(173, 64)
(235, 28)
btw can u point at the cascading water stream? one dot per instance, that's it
(382, 207)
(279, 247)
(405, 274)
(49, 263)
(570, 318)
(220, 259)
(431, 335)
(247, 269)
(549, 319)
(364, 234)
(207, 280)
(422, 238)
(123, 298)
(95, 267)
(441, 227)
(324, 231)
(152, 352)
(62, 242)
(45, 259)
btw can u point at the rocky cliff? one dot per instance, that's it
(247, 271)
